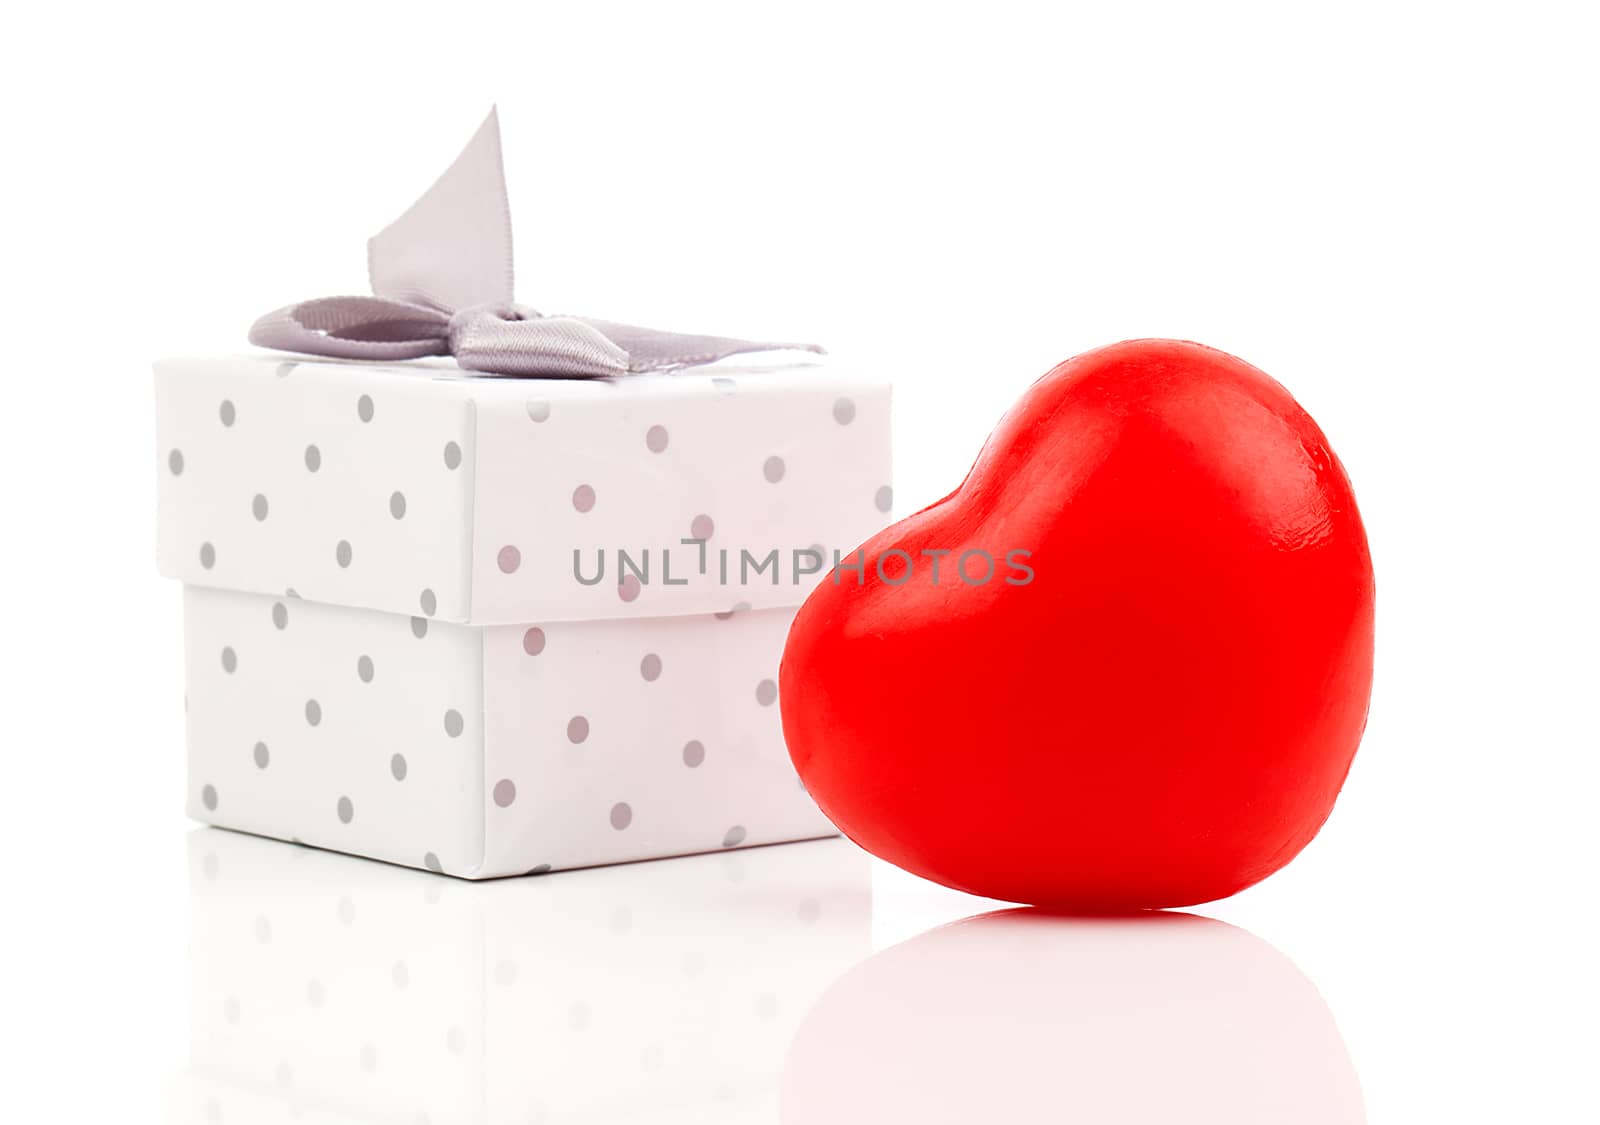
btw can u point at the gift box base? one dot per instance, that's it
(488, 751)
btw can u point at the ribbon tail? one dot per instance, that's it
(452, 248)
(355, 328)
(653, 349)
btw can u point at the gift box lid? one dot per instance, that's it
(421, 489)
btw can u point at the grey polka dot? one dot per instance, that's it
(419, 627)
(208, 555)
(343, 553)
(400, 973)
(284, 369)
(650, 667)
(315, 993)
(453, 724)
(538, 409)
(533, 641)
(810, 910)
(209, 865)
(280, 615)
(577, 729)
(263, 929)
(262, 756)
(702, 527)
(456, 1040)
(694, 963)
(429, 602)
(208, 798)
(766, 693)
(230, 660)
(655, 439)
(369, 1057)
(505, 974)
(734, 836)
(227, 413)
(884, 498)
(397, 767)
(621, 815)
(509, 559)
(844, 411)
(291, 592)
(431, 862)
(772, 469)
(505, 791)
(313, 712)
(397, 505)
(230, 1009)
(694, 753)
(452, 455)
(364, 408)
(347, 810)
(313, 458)
(284, 1075)
(258, 507)
(175, 462)
(724, 384)
(628, 588)
(541, 869)
(364, 669)
(583, 498)
(347, 912)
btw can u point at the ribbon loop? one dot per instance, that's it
(355, 328)
(442, 279)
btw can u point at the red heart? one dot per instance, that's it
(1157, 704)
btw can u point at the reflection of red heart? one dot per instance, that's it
(1022, 1017)
(1165, 713)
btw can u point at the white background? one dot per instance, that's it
(1389, 207)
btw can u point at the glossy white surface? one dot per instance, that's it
(734, 987)
(1387, 206)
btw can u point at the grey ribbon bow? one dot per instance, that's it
(442, 279)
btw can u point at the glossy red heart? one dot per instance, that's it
(1158, 703)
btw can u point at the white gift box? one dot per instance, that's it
(490, 626)
(326, 989)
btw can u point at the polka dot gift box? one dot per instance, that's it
(443, 614)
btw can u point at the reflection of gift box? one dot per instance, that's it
(330, 990)
(452, 621)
